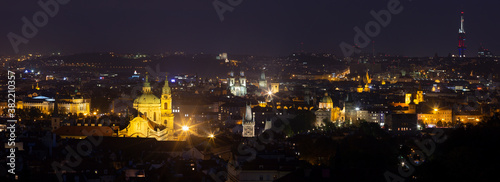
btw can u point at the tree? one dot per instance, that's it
(5, 111)
(33, 113)
(365, 154)
(303, 121)
(469, 153)
(439, 124)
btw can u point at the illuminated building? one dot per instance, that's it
(222, 56)
(326, 102)
(443, 115)
(407, 107)
(237, 86)
(275, 87)
(44, 104)
(37, 87)
(263, 81)
(71, 104)
(349, 113)
(166, 103)
(55, 119)
(420, 95)
(326, 111)
(407, 98)
(262, 104)
(248, 123)
(74, 104)
(417, 96)
(322, 115)
(360, 88)
(372, 116)
(148, 104)
(468, 118)
(155, 119)
(367, 81)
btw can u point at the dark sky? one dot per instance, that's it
(257, 27)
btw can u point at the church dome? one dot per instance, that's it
(147, 99)
(326, 99)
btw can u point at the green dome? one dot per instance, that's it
(147, 99)
(327, 99)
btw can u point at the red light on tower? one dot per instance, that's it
(461, 37)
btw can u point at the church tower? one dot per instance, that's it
(408, 98)
(263, 81)
(360, 87)
(243, 79)
(166, 106)
(367, 81)
(55, 120)
(248, 123)
(231, 79)
(412, 107)
(146, 89)
(237, 87)
(420, 95)
(148, 105)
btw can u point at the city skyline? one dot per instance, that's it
(251, 29)
(239, 90)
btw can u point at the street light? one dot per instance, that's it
(185, 128)
(269, 95)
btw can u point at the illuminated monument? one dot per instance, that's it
(327, 111)
(367, 80)
(155, 119)
(148, 104)
(237, 86)
(248, 123)
(263, 81)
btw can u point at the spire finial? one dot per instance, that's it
(462, 30)
(166, 79)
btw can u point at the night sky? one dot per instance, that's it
(255, 27)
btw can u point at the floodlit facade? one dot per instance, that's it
(155, 119)
(237, 85)
(435, 116)
(248, 123)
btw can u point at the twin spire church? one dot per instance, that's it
(155, 118)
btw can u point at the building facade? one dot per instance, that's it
(237, 85)
(155, 119)
(248, 123)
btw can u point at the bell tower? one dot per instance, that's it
(166, 106)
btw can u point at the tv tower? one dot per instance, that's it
(461, 37)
